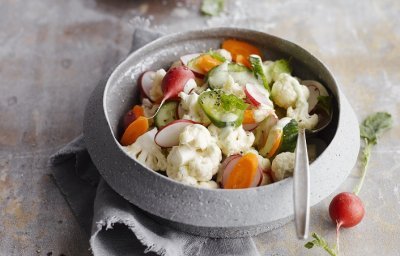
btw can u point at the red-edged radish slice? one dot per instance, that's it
(250, 127)
(168, 136)
(230, 164)
(186, 58)
(146, 83)
(316, 89)
(257, 95)
(265, 179)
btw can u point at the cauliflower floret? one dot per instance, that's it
(288, 93)
(196, 158)
(147, 152)
(232, 140)
(208, 184)
(191, 108)
(262, 112)
(284, 92)
(156, 91)
(224, 53)
(283, 165)
(148, 107)
(230, 87)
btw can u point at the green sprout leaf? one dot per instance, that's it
(372, 127)
(320, 242)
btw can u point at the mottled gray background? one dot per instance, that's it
(52, 54)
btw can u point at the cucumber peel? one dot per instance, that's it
(256, 63)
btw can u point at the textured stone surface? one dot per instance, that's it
(53, 52)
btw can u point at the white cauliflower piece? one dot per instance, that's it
(196, 159)
(232, 140)
(148, 107)
(224, 53)
(261, 112)
(283, 165)
(283, 91)
(156, 91)
(147, 152)
(192, 109)
(288, 93)
(230, 87)
(208, 184)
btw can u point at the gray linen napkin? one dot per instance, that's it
(118, 227)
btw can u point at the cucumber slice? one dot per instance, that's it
(289, 138)
(166, 114)
(286, 130)
(256, 63)
(218, 76)
(222, 109)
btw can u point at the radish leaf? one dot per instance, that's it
(319, 241)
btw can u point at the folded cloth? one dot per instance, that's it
(117, 227)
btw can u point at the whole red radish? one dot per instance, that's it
(346, 210)
(173, 83)
(175, 80)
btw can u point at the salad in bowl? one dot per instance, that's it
(225, 118)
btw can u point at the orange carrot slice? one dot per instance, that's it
(206, 62)
(242, 49)
(138, 111)
(248, 117)
(243, 173)
(275, 147)
(240, 59)
(134, 130)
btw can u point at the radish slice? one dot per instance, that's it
(250, 127)
(316, 89)
(186, 58)
(229, 164)
(146, 83)
(229, 168)
(168, 136)
(257, 95)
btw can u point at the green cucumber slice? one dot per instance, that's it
(218, 76)
(288, 129)
(256, 63)
(166, 114)
(289, 139)
(222, 109)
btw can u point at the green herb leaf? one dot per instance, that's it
(256, 63)
(212, 7)
(231, 102)
(289, 138)
(320, 242)
(374, 125)
(216, 56)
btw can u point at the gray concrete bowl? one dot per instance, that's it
(214, 213)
